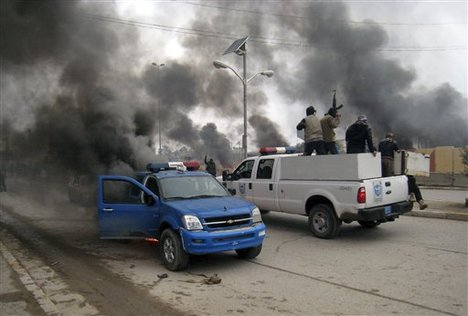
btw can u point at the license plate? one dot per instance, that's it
(388, 210)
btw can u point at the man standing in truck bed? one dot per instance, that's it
(329, 122)
(313, 136)
(357, 135)
(387, 149)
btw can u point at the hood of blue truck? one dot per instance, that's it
(208, 207)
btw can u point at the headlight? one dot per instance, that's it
(256, 216)
(191, 222)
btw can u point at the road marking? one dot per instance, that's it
(42, 299)
(351, 288)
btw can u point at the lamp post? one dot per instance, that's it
(244, 80)
(159, 66)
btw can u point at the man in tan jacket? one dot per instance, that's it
(329, 122)
(313, 138)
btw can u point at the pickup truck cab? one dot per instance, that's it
(329, 189)
(189, 212)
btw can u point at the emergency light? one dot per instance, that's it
(156, 167)
(277, 150)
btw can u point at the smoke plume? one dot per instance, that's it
(73, 98)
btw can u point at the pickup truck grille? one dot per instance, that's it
(228, 221)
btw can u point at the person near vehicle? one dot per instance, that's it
(357, 135)
(329, 122)
(413, 189)
(210, 166)
(387, 148)
(313, 136)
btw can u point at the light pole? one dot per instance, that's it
(244, 80)
(159, 66)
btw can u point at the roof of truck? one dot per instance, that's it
(274, 155)
(173, 173)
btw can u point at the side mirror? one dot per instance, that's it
(225, 173)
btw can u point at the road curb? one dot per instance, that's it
(439, 214)
(41, 298)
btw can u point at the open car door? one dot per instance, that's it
(126, 209)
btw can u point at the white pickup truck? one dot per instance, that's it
(329, 189)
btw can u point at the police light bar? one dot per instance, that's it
(191, 165)
(277, 150)
(156, 167)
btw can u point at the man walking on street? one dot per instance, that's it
(313, 136)
(357, 135)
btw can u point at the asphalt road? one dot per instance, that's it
(410, 266)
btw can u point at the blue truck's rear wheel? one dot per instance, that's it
(249, 253)
(323, 221)
(173, 255)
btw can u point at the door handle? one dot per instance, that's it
(250, 186)
(106, 209)
(271, 186)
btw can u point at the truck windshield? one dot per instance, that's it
(191, 187)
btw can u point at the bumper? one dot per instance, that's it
(385, 213)
(202, 242)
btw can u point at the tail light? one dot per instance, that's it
(361, 195)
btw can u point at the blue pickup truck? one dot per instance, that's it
(189, 212)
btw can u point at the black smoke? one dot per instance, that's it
(348, 57)
(72, 97)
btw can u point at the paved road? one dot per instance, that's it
(411, 266)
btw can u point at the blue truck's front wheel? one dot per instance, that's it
(173, 255)
(249, 253)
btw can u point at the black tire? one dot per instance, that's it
(369, 224)
(249, 253)
(323, 221)
(173, 255)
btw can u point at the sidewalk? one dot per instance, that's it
(15, 298)
(30, 286)
(441, 209)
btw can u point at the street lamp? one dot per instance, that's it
(159, 66)
(244, 80)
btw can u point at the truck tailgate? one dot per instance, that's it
(384, 191)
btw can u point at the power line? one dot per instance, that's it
(253, 38)
(307, 18)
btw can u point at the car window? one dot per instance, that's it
(120, 192)
(244, 170)
(152, 184)
(191, 187)
(265, 168)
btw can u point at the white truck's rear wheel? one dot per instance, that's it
(323, 221)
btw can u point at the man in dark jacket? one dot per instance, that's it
(387, 149)
(210, 166)
(357, 135)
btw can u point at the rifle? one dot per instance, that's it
(333, 111)
(334, 102)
